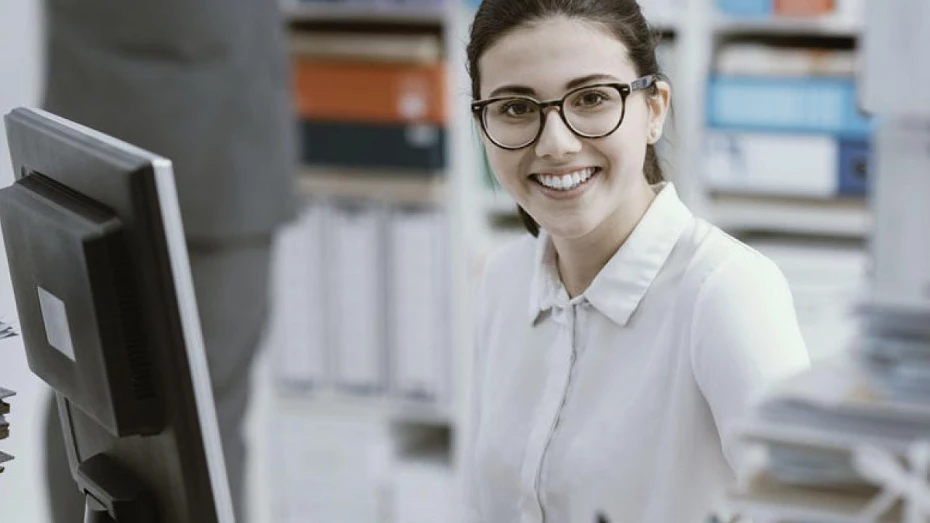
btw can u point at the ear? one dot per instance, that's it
(658, 104)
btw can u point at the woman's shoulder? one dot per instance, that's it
(719, 260)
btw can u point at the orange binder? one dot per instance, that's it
(804, 7)
(370, 92)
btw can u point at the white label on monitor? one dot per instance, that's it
(56, 323)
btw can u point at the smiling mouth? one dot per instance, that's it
(565, 182)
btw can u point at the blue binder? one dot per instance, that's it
(854, 167)
(745, 8)
(794, 105)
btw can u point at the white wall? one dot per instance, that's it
(20, 63)
(22, 490)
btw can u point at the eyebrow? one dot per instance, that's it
(577, 82)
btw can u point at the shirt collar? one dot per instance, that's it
(620, 286)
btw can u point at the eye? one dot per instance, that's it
(517, 108)
(591, 98)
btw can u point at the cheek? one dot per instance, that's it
(504, 164)
(626, 150)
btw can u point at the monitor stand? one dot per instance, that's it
(95, 512)
(112, 494)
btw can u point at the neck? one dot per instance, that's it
(581, 259)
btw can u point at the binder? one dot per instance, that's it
(773, 164)
(777, 61)
(370, 92)
(298, 328)
(804, 8)
(787, 105)
(745, 8)
(415, 148)
(357, 294)
(366, 47)
(855, 157)
(419, 311)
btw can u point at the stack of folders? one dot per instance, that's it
(784, 121)
(362, 300)
(6, 330)
(847, 440)
(4, 424)
(370, 99)
(839, 11)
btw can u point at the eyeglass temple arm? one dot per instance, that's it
(642, 83)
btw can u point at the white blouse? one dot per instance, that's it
(612, 404)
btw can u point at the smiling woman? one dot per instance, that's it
(617, 343)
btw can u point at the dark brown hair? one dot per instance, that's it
(623, 18)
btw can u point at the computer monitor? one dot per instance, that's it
(106, 307)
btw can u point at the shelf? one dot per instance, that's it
(334, 403)
(842, 218)
(383, 186)
(818, 27)
(302, 11)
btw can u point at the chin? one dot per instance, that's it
(569, 229)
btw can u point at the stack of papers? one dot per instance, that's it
(4, 457)
(896, 348)
(4, 425)
(6, 330)
(810, 435)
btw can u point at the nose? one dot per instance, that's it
(556, 139)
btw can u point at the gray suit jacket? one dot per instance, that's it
(203, 82)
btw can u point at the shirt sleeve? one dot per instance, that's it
(745, 338)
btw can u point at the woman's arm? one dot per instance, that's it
(745, 337)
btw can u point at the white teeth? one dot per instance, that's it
(566, 182)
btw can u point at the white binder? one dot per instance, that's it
(356, 292)
(298, 328)
(418, 313)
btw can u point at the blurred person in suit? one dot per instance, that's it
(205, 84)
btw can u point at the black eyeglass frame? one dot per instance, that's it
(625, 90)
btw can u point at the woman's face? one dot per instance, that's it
(544, 61)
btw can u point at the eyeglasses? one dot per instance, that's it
(592, 111)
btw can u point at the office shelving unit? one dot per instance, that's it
(402, 421)
(838, 217)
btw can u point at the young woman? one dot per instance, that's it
(619, 341)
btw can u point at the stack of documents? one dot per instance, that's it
(4, 425)
(896, 350)
(836, 443)
(6, 330)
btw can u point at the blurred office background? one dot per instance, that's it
(359, 415)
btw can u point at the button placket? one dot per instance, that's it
(562, 361)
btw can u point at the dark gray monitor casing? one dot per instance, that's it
(106, 305)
